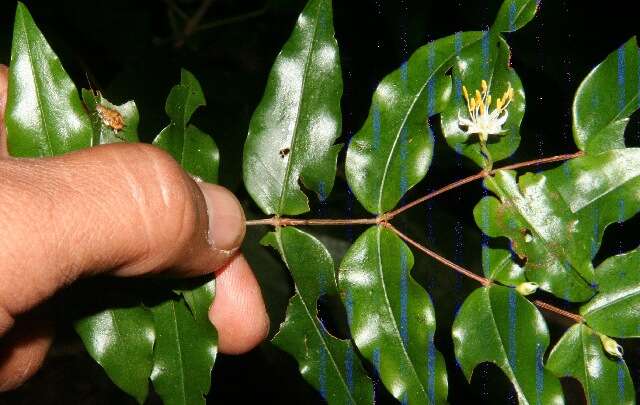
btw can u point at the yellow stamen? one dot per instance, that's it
(499, 103)
(488, 101)
(466, 94)
(472, 104)
(484, 86)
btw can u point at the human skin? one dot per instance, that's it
(126, 210)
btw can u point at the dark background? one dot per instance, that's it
(133, 50)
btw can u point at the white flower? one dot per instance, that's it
(481, 121)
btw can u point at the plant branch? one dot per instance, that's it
(484, 281)
(275, 221)
(192, 23)
(443, 260)
(234, 19)
(481, 175)
(575, 317)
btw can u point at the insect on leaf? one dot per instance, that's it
(111, 123)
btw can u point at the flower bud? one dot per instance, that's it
(611, 346)
(527, 288)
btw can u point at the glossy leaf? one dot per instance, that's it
(44, 114)
(496, 324)
(614, 310)
(489, 60)
(103, 131)
(606, 99)
(121, 341)
(515, 14)
(293, 129)
(498, 265)
(329, 364)
(601, 189)
(184, 353)
(392, 152)
(543, 231)
(391, 317)
(605, 379)
(192, 148)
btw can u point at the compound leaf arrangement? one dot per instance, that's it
(553, 219)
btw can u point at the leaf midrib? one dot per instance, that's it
(306, 308)
(287, 173)
(388, 308)
(514, 380)
(36, 86)
(539, 235)
(183, 390)
(406, 117)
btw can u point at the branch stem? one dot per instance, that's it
(468, 273)
(481, 175)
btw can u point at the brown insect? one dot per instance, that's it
(110, 118)
(284, 152)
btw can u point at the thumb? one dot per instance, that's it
(127, 209)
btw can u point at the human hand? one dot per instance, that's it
(123, 209)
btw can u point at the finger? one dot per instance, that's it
(4, 77)
(238, 311)
(125, 208)
(22, 352)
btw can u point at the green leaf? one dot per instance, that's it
(605, 379)
(489, 60)
(192, 148)
(601, 189)
(392, 152)
(515, 14)
(103, 133)
(557, 252)
(293, 129)
(614, 310)
(44, 114)
(184, 353)
(121, 341)
(329, 364)
(606, 99)
(391, 317)
(497, 265)
(496, 324)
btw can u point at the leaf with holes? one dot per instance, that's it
(515, 14)
(496, 324)
(543, 231)
(579, 354)
(293, 129)
(192, 148)
(329, 364)
(391, 317)
(111, 123)
(488, 60)
(44, 115)
(614, 310)
(392, 152)
(606, 99)
(600, 188)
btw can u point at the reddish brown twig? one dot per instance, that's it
(275, 221)
(479, 176)
(484, 281)
(439, 258)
